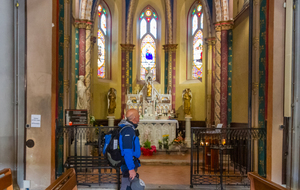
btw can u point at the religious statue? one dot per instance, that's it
(187, 99)
(111, 98)
(149, 89)
(149, 86)
(81, 94)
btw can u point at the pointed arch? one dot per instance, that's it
(104, 41)
(148, 39)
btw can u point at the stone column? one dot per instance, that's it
(188, 131)
(111, 121)
(126, 74)
(170, 70)
(209, 42)
(88, 67)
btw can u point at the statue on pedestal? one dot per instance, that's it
(111, 98)
(187, 99)
(81, 94)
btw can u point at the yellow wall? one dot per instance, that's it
(100, 87)
(240, 71)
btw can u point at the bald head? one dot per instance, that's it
(133, 116)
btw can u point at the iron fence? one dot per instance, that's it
(223, 156)
(82, 150)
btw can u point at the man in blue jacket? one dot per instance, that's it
(130, 146)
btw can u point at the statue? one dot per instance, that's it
(149, 89)
(81, 94)
(111, 98)
(187, 99)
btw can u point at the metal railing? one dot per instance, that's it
(221, 156)
(82, 150)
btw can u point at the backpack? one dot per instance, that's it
(112, 149)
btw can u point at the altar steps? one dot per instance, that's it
(162, 158)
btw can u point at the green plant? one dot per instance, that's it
(147, 144)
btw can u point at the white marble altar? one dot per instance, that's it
(153, 130)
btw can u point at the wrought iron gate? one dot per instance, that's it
(223, 156)
(82, 150)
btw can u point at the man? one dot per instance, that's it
(130, 147)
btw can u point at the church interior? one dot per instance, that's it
(215, 83)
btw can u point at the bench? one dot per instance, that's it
(6, 181)
(258, 183)
(67, 181)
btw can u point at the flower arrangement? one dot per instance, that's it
(147, 149)
(178, 141)
(166, 141)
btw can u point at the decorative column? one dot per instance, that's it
(82, 40)
(60, 97)
(88, 67)
(213, 82)
(262, 85)
(67, 32)
(188, 131)
(209, 42)
(255, 78)
(76, 61)
(229, 86)
(217, 78)
(170, 70)
(221, 91)
(126, 74)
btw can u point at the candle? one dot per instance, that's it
(223, 141)
(206, 143)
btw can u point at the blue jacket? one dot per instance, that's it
(129, 145)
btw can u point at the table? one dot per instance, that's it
(153, 130)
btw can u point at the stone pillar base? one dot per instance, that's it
(111, 120)
(188, 131)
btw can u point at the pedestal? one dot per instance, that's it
(111, 121)
(188, 131)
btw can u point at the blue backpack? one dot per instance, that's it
(111, 147)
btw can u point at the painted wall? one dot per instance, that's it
(100, 87)
(39, 71)
(240, 70)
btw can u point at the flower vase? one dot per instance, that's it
(166, 146)
(160, 146)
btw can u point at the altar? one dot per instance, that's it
(153, 130)
(155, 110)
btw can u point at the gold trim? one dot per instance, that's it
(127, 47)
(67, 40)
(88, 26)
(224, 25)
(170, 47)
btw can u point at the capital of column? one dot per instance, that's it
(224, 25)
(127, 47)
(170, 47)
(210, 41)
(81, 23)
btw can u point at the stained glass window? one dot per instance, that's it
(201, 21)
(195, 23)
(101, 54)
(143, 28)
(195, 58)
(103, 41)
(153, 27)
(103, 23)
(197, 55)
(148, 41)
(148, 51)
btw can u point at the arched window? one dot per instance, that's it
(148, 42)
(195, 42)
(103, 41)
